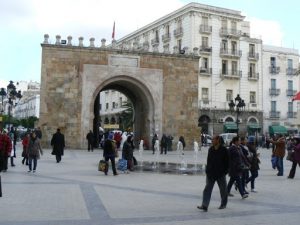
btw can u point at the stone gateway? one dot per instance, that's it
(162, 87)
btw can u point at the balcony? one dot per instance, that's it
(290, 93)
(291, 114)
(205, 71)
(253, 76)
(155, 41)
(166, 37)
(274, 91)
(253, 56)
(178, 32)
(205, 29)
(274, 69)
(291, 72)
(274, 114)
(231, 53)
(205, 50)
(230, 33)
(231, 74)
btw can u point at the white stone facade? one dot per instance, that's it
(230, 63)
(280, 84)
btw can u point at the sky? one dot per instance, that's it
(23, 24)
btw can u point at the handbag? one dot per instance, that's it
(102, 165)
(290, 156)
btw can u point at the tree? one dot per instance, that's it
(127, 116)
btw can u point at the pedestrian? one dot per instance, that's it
(216, 170)
(38, 132)
(58, 144)
(163, 144)
(90, 138)
(279, 153)
(109, 153)
(13, 138)
(34, 151)
(254, 163)
(25, 143)
(154, 138)
(5, 150)
(128, 152)
(181, 145)
(245, 155)
(235, 167)
(295, 157)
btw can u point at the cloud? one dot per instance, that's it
(269, 31)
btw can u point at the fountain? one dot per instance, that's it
(157, 152)
(196, 151)
(182, 163)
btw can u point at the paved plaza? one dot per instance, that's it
(73, 192)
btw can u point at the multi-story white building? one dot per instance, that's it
(281, 83)
(111, 107)
(29, 105)
(230, 63)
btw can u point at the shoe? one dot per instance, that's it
(13, 165)
(279, 175)
(246, 192)
(204, 208)
(290, 177)
(245, 196)
(222, 207)
(29, 171)
(230, 195)
(33, 171)
(253, 190)
(115, 174)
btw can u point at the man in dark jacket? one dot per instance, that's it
(109, 154)
(90, 138)
(58, 144)
(216, 170)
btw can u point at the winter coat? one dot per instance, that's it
(58, 143)
(279, 147)
(5, 145)
(90, 137)
(34, 148)
(296, 157)
(235, 161)
(128, 151)
(108, 148)
(254, 160)
(217, 162)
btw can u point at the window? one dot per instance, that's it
(251, 70)
(179, 24)
(290, 64)
(224, 67)
(273, 62)
(228, 95)
(156, 36)
(252, 49)
(224, 45)
(234, 67)
(233, 47)
(205, 94)
(233, 25)
(167, 29)
(205, 63)
(290, 85)
(179, 43)
(121, 101)
(273, 84)
(273, 106)
(290, 107)
(252, 97)
(106, 106)
(224, 24)
(205, 20)
(113, 105)
(205, 41)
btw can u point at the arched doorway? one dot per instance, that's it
(203, 122)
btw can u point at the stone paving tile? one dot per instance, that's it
(74, 192)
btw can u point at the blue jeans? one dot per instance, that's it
(34, 159)
(238, 181)
(280, 166)
(254, 174)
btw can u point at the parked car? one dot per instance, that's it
(207, 140)
(227, 137)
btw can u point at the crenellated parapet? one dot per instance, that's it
(136, 47)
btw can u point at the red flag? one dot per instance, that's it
(296, 97)
(113, 33)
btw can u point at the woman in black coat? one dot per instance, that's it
(58, 144)
(128, 152)
(235, 167)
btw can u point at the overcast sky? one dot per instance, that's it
(24, 22)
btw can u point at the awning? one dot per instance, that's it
(277, 129)
(254, 126)
(230, 127)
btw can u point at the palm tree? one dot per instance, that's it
(127, 115)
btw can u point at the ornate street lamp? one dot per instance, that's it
(239, 105)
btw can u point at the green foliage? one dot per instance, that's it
(127, 116)
(27, 123)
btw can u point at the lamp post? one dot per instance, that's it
(2, 94)
(239, 105)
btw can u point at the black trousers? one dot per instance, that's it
(58, 158)
(293, 169)
(90, 145)
(210, 182)
(113, 164)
